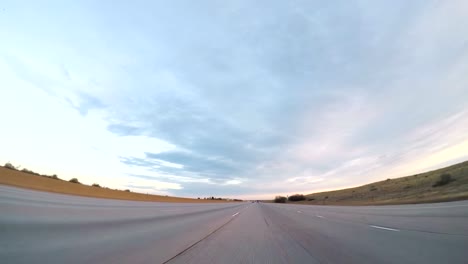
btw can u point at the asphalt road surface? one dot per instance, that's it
(38, 227)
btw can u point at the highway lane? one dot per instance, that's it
(51, 228)
(275, 233)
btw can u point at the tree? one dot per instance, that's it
(280, 199)
(74, 180)
(296, 197)
(10, 166)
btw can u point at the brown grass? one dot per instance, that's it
(42, 183)
(411, 189)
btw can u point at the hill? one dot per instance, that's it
(446, 184)
(31, 180)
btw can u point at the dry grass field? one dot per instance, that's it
(420, 188)
(42, 183)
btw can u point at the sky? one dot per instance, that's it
(241, 99)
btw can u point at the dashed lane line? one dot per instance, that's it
(385, 228)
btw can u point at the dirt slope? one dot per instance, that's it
(42, 183)
(411, 189)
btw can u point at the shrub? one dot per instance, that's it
(443, 180)
(10, 166)
(296, 197)
(373, 188)
(74, 180)
(55, 177)
(127, 190)
(31, 172)
(311, 199)
(27, 171)
(96, 185)
(280, 199)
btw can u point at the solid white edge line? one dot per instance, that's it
(385, 228)
(235, 214)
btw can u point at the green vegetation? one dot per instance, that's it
(444, 179)
(280, 199)
(446, 184)
(10, 166)
(296, 198)
(74, 180)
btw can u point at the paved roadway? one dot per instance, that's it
(38, 227)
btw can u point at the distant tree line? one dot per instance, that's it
(292, 198)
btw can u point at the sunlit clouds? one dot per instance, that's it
(233, 99)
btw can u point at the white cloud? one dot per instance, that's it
(327, 96)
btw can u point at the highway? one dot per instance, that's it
(38, 227)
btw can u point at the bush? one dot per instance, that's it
(296, 197)
(27, 171)
(31, 172)
(280, 199)
(127, 190)
(74, 180)
(10, 166)
(443, 180)
(96, 185)
(55, 177)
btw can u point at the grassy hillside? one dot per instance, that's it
(419, 188)
(31, 180)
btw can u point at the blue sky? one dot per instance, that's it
(233, 98)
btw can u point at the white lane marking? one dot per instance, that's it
(385, 228)
(299, 211)
(235, 214)
(319, 216)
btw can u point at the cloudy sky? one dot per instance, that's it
(242, 99)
